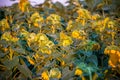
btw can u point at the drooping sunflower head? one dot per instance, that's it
(114, 55)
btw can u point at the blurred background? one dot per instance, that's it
(33, 2)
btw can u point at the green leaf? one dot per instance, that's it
(11, 63)
(82, 66)
(2, 54)
(68, 74)
(20, 50)
(88, 53)
(93, 59)
(59, 6)
(25, 71)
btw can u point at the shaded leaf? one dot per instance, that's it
(93, 59)
(25, 71)
(11, 63)
(88, 53)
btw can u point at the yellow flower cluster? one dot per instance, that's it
(111, 24)
(108, 23)
(78, 72)
(83, 16)
(8, 37)
(55, 73)
(44, 43)
(36, 19)
(38, 57)
(114, 56)
(23, 5)
(75, 34)
(78, 34)
(65, 40)
(31, 37)
(100, 25)
(83, 13)
(9, 18)
(53, 19)
(95, 17)
(105, 21)
(4, 25)
(31, 61)
(45, 75)
(70, 26)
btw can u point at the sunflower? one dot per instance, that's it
(75, 34)
(65, 40)
(23, 5)
(45, 75)
(78, 72)
(36, 19)
(55, 73)
(114, 55)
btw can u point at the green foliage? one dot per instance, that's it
(52, 41)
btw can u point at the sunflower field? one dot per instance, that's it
(80, 41)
